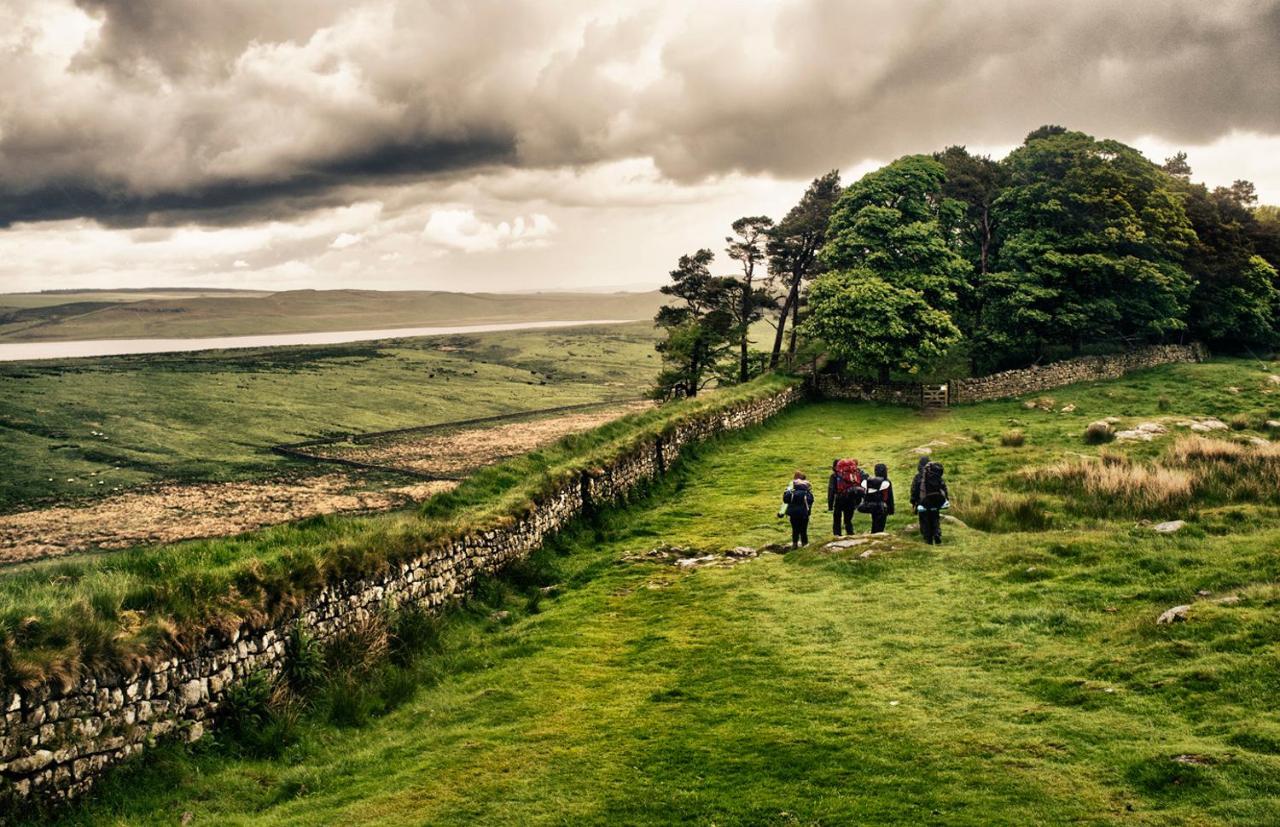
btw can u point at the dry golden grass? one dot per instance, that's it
(1193, 469)
(1114, 483)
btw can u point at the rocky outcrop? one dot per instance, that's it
(55, 741)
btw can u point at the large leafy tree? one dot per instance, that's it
(1093, 248)
(974, 182)
(1235, 299)
(747, 247)
(892, 223)
(874, 326)
(793, 252)
(699, 327)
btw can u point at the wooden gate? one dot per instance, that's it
(933, 396)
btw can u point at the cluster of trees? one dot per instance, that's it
(1067, 243)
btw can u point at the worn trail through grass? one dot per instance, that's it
(1006, 677)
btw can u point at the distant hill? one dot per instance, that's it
(110, 315)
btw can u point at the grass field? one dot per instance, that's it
(80, 428)
(114, 316)
(1014, 675)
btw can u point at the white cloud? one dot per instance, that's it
(461, 229)
(345, 240)
(240, 264)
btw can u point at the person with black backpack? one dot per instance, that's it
(799, 500)
(931, 498)
(878, 501)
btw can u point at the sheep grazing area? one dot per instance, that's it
(1095, 642)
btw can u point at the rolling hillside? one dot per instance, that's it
(109, 316)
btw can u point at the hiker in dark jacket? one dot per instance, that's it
(799, 500)
(915, 482)
(849, 489)
(831, 486)
(933, 497)
(878, 501)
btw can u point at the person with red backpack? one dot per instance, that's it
(878, 501)
(849, 481)
(929, 493)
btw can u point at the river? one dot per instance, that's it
(24, 351)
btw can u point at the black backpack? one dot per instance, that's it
(931, 492)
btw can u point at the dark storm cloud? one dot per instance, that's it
(231, 111)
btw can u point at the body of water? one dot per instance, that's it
(24, 351)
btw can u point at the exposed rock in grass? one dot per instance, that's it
(1067, 408)
(1274, 378)
(1193, 759)
(1258, 440)
(500, 615)
(1273, 424)
(923, 450)
(955, 521)
(1152, 428)
(841, 545)
(1111, 420)
(1178, 614)
(1134, 435)
(1210, 424)
(695, 562)
(1169, 526)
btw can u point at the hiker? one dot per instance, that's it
(930, 496)
(878, 501)
(847, 483)
(799, 500)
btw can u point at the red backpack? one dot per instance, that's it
(848, 476)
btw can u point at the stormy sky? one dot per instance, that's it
(503, 145)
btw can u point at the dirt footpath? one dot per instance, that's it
(455, 452)
(183, 512)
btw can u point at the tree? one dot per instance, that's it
(1093, 247)
(875, 326)
(793, 251)
(1236, 297)
(699, 332)
(974, 182)
(746, 246)
(891, 223)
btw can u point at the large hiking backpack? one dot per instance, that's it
(931, 493)
(846, 478)
(877, 497)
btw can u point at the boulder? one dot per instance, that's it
(1209, 424)
(1169, 527)
(955, 521)
(1273, 424)
(1068, 408)
(1134, 436)
(1178, 614)
(1152, 428)
(1258, 440)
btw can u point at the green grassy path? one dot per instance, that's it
(1006, 678)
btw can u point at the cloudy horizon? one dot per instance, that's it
(513, 146)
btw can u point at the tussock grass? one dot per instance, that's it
(1098, 433)
(1194, 470)
(1013, 438)
(1114, 484)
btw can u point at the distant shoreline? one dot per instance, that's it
(93, 348)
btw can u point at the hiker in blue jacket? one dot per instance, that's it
(799, 500)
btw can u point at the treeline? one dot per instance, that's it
(1067, 244)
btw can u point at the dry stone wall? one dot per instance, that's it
(1011, 382)
(1070, 371)
(54, 743)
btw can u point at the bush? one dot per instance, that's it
(1099, 432)
(303, 669)
(1013, 438)
(414, 630)
(259, 716)
(1163, 402)
(1239, 422)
